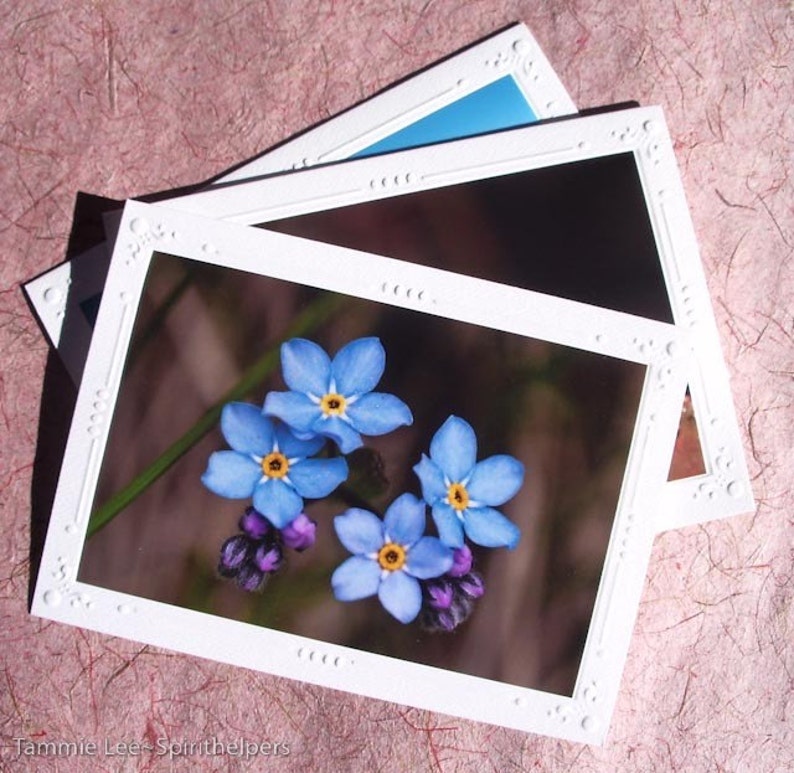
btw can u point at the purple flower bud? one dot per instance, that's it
(234, 553)
(254, 524)
(461, 562)
(441, 594)
(300, 533)
(446, 621)
(249, 578)
(449, 601)
(472, 585)
(462, 608)
(268, 558)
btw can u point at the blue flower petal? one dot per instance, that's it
(377, 413)
(308, 435)
(431, 479)
(489, 528)
(278, 502)
(358, 366)
(305, 366)
(496, 479)
(345, 437)
(450, 528)
(429, 557)
(293, 447)
(360, 531)
(293, 408)
(357, 578)
(231, 475)
(405, 520)
(454, 448)
(246, 430)
(401, 596)
(316, 478)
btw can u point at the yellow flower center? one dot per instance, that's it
(333, 404)
(275, 465)
(457, 496)
(391, 556)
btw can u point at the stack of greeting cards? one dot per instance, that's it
(397, 407)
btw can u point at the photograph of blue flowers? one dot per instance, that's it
(362, 474)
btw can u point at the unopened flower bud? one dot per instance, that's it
(300, 533)
(249, 578)
(472, 585)
(234, 553)
(268, 558)
(254, 524)
(441, 594)
(461, 562)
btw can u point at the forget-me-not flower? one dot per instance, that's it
(334, 398)
(389, 557)
(267, 462)
(463, 492)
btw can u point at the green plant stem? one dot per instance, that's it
(317, 312)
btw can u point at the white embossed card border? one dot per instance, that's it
(724, 489)
(60, 294)
(662, 350)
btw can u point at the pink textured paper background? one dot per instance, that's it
(121, 99)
